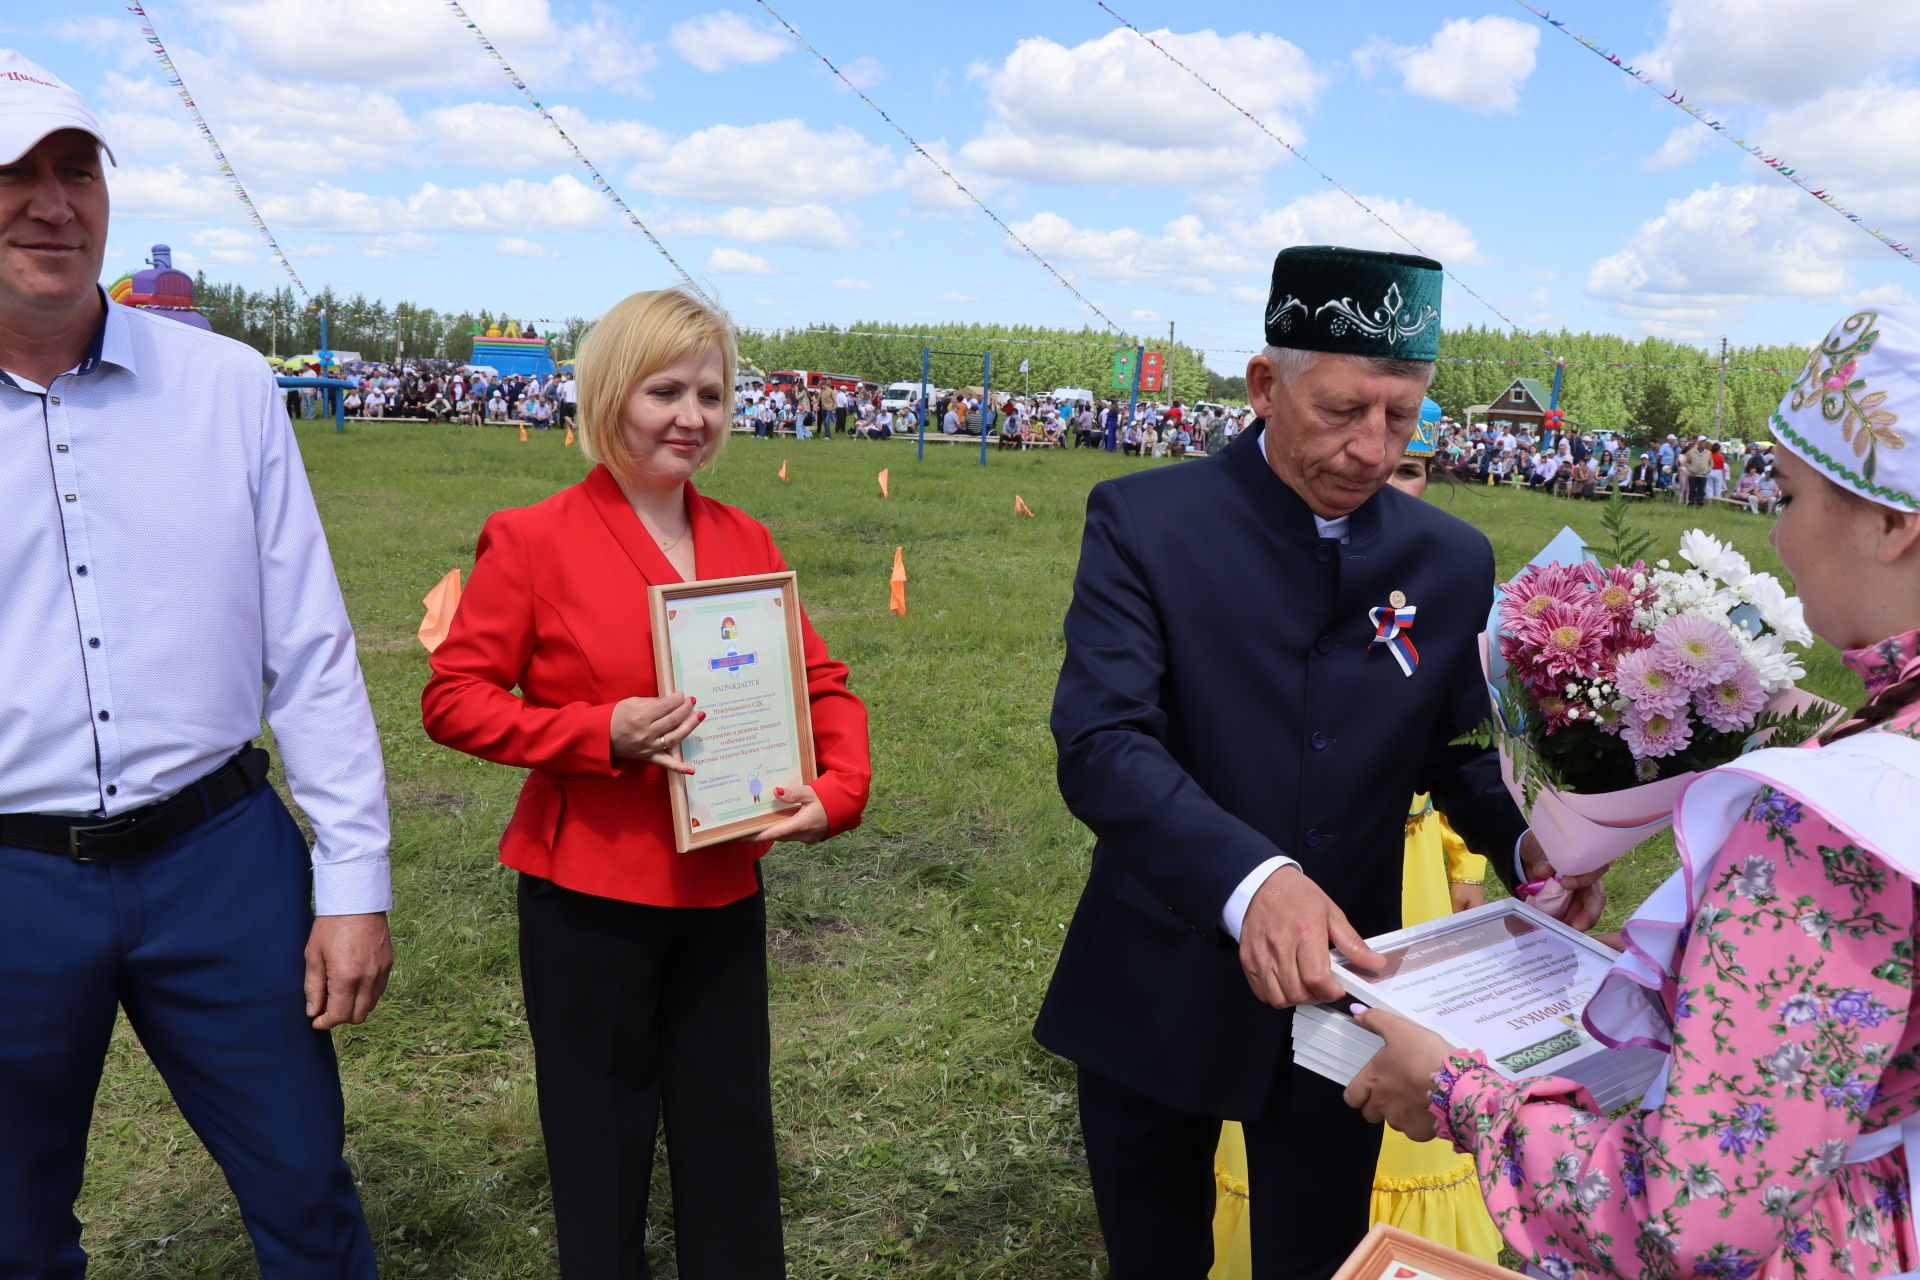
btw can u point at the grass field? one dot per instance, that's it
(922, 1132)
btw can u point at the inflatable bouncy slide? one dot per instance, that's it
(512, 349)
(159, 286)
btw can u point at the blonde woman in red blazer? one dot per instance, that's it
(644, 969)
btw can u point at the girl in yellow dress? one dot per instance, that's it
(1421, 1187)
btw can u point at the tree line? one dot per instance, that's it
(1477, 362)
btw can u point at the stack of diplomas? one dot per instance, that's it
(1505, 979)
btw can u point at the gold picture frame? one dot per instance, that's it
(1388, 1253)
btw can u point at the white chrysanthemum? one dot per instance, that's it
(1781, 612)
(1768, 657)
(1713, 556)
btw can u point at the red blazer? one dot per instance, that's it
(557, 605)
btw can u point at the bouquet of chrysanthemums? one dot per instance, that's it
(1613, 685)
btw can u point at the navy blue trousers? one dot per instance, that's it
(201, 941)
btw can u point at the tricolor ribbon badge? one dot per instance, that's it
(1390, 627)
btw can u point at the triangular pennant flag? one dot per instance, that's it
(897, 591)
(441, 603)
(523, 433)
(883, 482)
(783, 471)
(1020, 507)
(569, 440)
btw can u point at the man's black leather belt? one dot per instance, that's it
(140, 829)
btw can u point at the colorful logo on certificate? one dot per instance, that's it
(729, 629)
(731, 661)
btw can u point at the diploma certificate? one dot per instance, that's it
(735, 645)
(1503, 978)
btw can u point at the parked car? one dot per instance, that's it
(900, 395)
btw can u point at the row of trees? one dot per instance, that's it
(1612, 383)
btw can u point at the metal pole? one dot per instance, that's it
(1166, 374)
(920, 455)
(1720, 397)
(1133, 404)
(986, 400)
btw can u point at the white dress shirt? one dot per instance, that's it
(168, 584)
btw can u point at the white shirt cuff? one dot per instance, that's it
(1235, 913)
(354, 887)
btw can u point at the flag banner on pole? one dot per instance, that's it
(441, 603)
(1020, 507)
(897, 585)
(783, 471)
(883, 483)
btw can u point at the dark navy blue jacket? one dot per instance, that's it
(1219, 704)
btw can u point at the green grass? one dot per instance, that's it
(922, 1133)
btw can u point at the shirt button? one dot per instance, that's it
(60, 448)
(1320, 740)
(53, 399)
(1323, 552)
(1315, 838)
(106, 715)
(82, 571)
(93, 642)
(112, 790)
(72, 497)
(1326, 644)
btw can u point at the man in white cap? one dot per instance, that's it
(168, 583)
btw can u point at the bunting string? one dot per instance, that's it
(946, 173)
(179, 84)
(1790, 172)
(1330, 180)
(599, 179)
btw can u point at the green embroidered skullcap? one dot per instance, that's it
(1355, 302)
(1852, 411)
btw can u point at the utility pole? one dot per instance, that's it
(1720, 398)
(1167, 373)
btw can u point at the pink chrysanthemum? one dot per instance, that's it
(1731, 703)
(1538, 586)
(1697, 650)
(1615, 595)
(1569, 638)
(1652, 735)
(1647, 684)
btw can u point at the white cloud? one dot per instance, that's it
(169, 192)
(738, 262)
(562, 203)
(779, 162)
(99, 33)
(400, 46)
(864, 71)
(954, 295)
(1113, 110)
(1145, 317)
(1845, 136)
(515, 247)
(931, 192)
(1881, 295)
(387, 248)
(1775, 52)
(1697, 268)
(809, 226)
(1190, 256)
(1475, 63)
(509, 138)
(847, 284)
(1683, 146)
(716, 41)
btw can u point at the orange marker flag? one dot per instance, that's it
(897, 592)
(883, 482)
(569, 440)
(783, 471)
(1020, 507)
(441, 603)
(523, 433)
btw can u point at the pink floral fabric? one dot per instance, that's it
(1793, 1034)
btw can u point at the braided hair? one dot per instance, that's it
(1879, 709)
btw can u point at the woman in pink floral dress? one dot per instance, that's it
(1778, 965)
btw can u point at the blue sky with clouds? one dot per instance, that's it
(391, 155)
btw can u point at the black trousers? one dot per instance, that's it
(1309, 1179)
(640, 1013)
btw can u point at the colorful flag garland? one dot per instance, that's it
(1790, 172)
(946, 173)
(219, 157)
(599, 179)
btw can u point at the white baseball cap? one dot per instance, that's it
(34, 103)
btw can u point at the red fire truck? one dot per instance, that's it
(785, 379)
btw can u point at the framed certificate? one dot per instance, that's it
(1388, 1253)
(735, 645)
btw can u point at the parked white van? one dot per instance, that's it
(901, 395)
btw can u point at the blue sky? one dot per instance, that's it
(391, 155)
